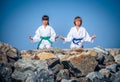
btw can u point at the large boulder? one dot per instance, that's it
(82, 61)
(8, 53)
(34, 70)
(8, 56)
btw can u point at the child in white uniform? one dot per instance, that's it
(45, 34)
(78, 35)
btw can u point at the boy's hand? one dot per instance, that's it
(30, 37)
(62, 38)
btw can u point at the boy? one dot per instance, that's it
(45, 34)
(77, 35)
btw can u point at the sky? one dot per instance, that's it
(20, 18)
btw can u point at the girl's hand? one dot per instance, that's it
(62, 38)
(56, 37)
(30, 37)
(93, 36)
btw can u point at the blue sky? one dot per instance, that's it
(21, 18)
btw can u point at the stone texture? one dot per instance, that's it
(100, 58)
(63, 74)
(102, 50)
(8, 56)
(34, 70)
(105, 72)
(93, 75)
(117, 58)
(109, 58)
(59, 65)
(112, 68)
(114, 51)
(85, 63)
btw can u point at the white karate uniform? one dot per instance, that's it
(81, 33)
(41, 31)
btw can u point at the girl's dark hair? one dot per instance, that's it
(45, 17)
(78, 18)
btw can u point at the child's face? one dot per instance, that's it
(45, 22)
(77, 23)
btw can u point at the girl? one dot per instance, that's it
(77, 35)
(45, 34)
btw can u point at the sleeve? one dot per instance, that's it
(69, 36)
(87, 37)
(36, 37)
(53, 35)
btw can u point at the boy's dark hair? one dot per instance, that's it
(45, 17)
(78, 18)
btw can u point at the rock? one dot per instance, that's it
(3, 58)
(57, 51)
(117, 58)
(93, 76)
(52, 62)
(22, 76)
(100, 49)
(117, 80)
(75, 51)
(28, 56)
(63, 74)
(100, 58)
(84, 63)
(109, 63)
(74, 72)
(59, 65)
(114, 51)
(42, 55)
(109, 58)
(112, 68)
(5, 72)
(8, 56)
(4, 47)
(54, 65)
(45, 55)
(28, 69)
(65, 80)
(115, 77)
(8, 53)
(105, 72)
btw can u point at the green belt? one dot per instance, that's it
(44, 38)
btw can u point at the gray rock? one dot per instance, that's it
(5, 72)
(32, 70)
(93, 75)
(100, 49)
(117, 80)
(8, 56)
(112, 68)
(66, 80)
(63, 74)
(22, 76)
(115, 77)
(105, 72)
(25, 64)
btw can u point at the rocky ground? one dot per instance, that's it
(59, 65)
